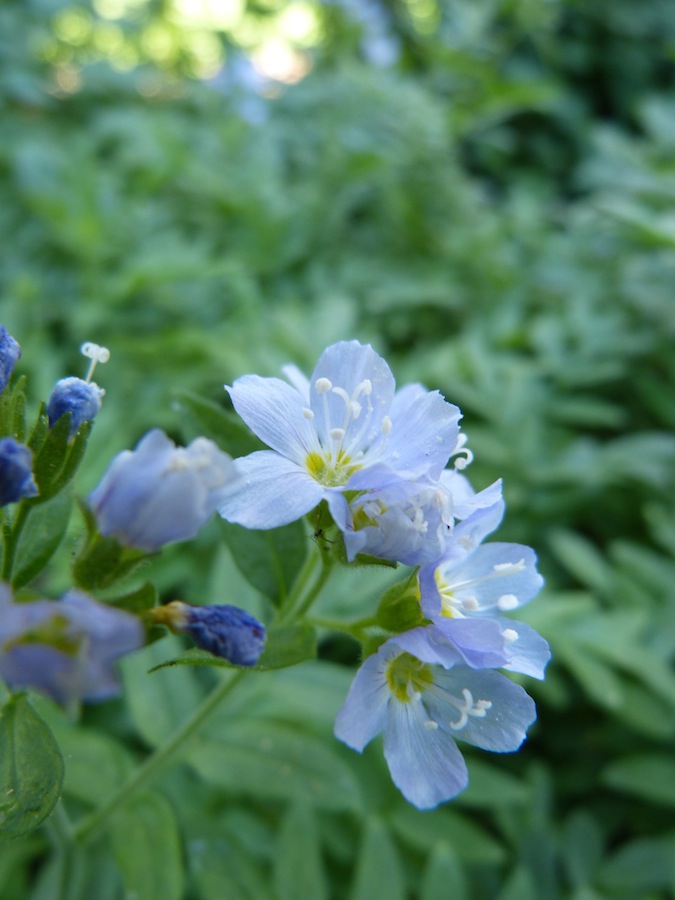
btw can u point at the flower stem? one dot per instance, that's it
(91, 825)
(307, 585)
(11, 534)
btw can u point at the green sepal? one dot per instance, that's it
(56, 456)
(13, 410)
(40, 537)
(31, 769)
(287, 645)
(399, 607)
(137, 601)
(103, 561)
(219, 424)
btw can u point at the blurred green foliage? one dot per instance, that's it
(494, 211)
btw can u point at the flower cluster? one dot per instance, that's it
(378, 458)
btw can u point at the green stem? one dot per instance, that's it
(92, 824)
(307, 585)
(11, 536)
(60, 826)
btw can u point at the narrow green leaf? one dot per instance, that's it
(378, 870)
(269, 560)
(222, 871)
(41, 537)
(490, 787)
(137, 601)
(31, 769)
(147, 847)
(420, 829)
(650, 776)
(444, 875)
(268, 759)
(298, 870)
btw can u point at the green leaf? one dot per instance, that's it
(399, 608)
(269, 560)
(643, 866)
(490, 787)
(444, 875)
(147, 847)
(137, 601)
(421, 829)
(103, 562)
(218, 424)
(31, 769)
(41, 537)
(378, 870)
(160, 702)
(287, 645)
(298, 870)
(221, 870)
(267, 759)
(650, 776)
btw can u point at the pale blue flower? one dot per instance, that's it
(422, 707)
(16, 471)
(82, 399)
(415, 522)
(225, 631)
(10, 351)
(160, 493)
(65, 648)
(343, 429)
(493, 579)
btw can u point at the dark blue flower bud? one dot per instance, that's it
(16, 472)
(226, 631)
(82, 399)
(10, 351)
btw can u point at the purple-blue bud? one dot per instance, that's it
(226, 631)
(65, 648)
(10, 351)
(82, 399)
(16, 472)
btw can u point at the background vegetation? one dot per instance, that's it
(485, 192)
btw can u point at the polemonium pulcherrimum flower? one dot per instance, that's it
(413, 522)
(16, 472)
(344, 429)
(225, 631)
(422, 707)
(493, 579)
(65, 648)
(160, 493)
(10, 351)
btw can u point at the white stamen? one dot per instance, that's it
(96, 354)
(307, 413)
(470, 603)
(366, 387)
(469, 708)
(386, 425)
(355, 408)
(461, 462)
(337, 434)
(509, 635)
(507, 601)
(430, 725)
(509, 568)
(323, 385)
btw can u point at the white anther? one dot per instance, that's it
(468, 708)
(307, 413)
(510, 635)
(366, 387)
(509, 568)
(430, 725)
(337, 434)
(355, 407)
(323, 385)
(470, 603)
(96, 354)
(507, 601)
(386, 425)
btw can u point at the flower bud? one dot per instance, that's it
(225, 631)
(82, 399)
(160, 493)
(16, 472)
(10, 351)
(65, 648)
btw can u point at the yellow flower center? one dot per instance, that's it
(407, 676)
